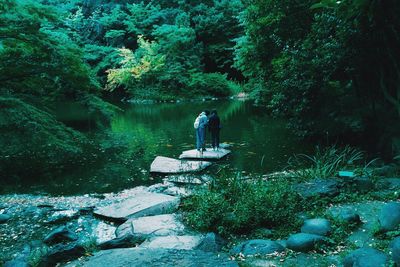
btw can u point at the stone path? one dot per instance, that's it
(138, 205)
(169, 165)
(144, 257)
(188, 161)
(208, 154)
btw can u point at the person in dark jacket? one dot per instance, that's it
(214, 125)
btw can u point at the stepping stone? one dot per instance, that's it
(169, 165)
(188, 242)
(148, 257)
(158, 225)
(208, 154)
(189, 179)
(139, 205)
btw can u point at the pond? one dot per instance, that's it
(260, 144)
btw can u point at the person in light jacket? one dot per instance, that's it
(201, 131)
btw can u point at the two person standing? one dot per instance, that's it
(214, 126)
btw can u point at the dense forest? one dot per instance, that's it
(330, 67)
(93, 92)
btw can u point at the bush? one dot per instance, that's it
(233, 205)
(326, 162)
(212, 84)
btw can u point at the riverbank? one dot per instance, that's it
(334, 217)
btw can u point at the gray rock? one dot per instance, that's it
(389, 217)
(139, 205)
(365, 257)
(188, 242)
(316, 226)
(318, 188)
(60, 234)
(125, 241)
(212, 243)
(62, 253)
(257, 247)
(158, 225)
(208, 154)
(395, 249)
(141, 257)
(4, 218)
(169, 165)
(303, 242)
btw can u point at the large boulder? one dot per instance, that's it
(318, 188)
(303, 242)
(389, 217)
(173, 242)
(169, 165)
(366, 257)
(158, 225)
(138, 205)
(149, 257)
(257, 247)
(316, 226)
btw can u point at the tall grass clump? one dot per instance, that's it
(232, 205)
(325, 163)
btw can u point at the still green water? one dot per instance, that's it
(260, 144)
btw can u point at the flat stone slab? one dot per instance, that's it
(189, 179)
(139, 205)
(158, 225)
(169, 165)
(208, 154)
(147, 257)
(188, 242)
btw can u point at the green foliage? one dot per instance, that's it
(35, 57)
(326, 162)
(213, 84)
(233, 205)
(52, 146)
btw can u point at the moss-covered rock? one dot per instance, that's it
(34, 143)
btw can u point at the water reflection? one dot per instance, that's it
(260, 143)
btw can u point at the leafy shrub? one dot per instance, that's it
(234, 205)
(325, 163)
(212, 84)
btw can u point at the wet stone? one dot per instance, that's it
(389, 217)
(169, 165)
(303, 242)
(318, 226)
(148, 257)
(138, 205)
(365, 257)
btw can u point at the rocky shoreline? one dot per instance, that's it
(143, 227)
